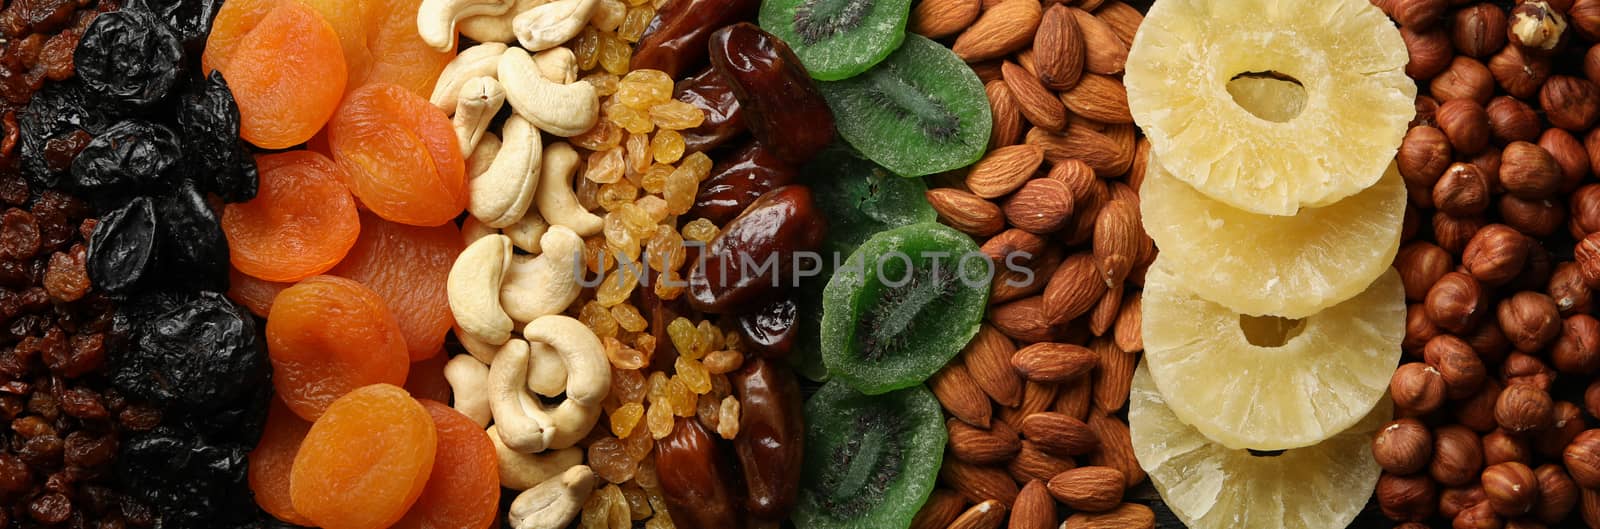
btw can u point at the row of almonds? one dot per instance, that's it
(1037, 400)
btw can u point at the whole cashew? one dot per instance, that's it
(468, 380)
(480, 99)
(519, 471)
(525, 233)
(556, 200)
(496, 28)
(436, 19)
(502, 194)
(557, 65)
(554, 503)
(588, 368)
(551, 24)
(525, 423)
(559, 109)
(483, 156)
(483, 351)
(544, 285)
(473, 229)
(482, 60)
(473, 288)
(547, 375)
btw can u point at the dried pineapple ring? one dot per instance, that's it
(1262, 264)
(1209, 486)
(1357, 102)
(1270, 383)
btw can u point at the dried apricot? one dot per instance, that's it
(272, 459)
(327, 336)
(301, 223)
(426, 379)
(408, 266)
(463, 491)
(381, 44)
(399, 155)
(255, 294)
(364, 463)
(267, 52)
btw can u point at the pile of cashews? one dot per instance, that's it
(524, 244)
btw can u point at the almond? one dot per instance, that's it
(1104, 314)
(1023, 320)
(942, 507)
(1123, 19)
(1036, 397)
(1091, 489)
(1141, 161)
(1116, 447)
(1125, 516)
(1037, 103)
(979, 483)
(1099, 151)
(964, 211)
(1059, 434)
(1054, 362)
(1074, 399)
(960, 395)
(1099, 98)
(1042, 206)
(1116, 240)
(982, 447)
(1005, 28)
(1058, 49)
(1104, 52)
(1113, 379)
(1019, 279)
(1014, 246)
(937, 19)
(1085, 213)
(1004, 170)
(1129, 331)
(1007, 129)
(1073, 289)
(1033, 463)
(1034, 508)
(986, 515)
(988, 360)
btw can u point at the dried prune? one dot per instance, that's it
(710, 93)
(132, 154)
(738, 180)
(195, 357)
(56, 124)
(191, 19)
(190, 481)
(123, 249)
(772, 328)
(208, 123)
(130, 56)
(783, 107)
(193, 248)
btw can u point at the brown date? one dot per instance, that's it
(771, 329)
(771, 442)
(751, 257)
(710, 93)
(738, 180)
(694, 478)
(782, 106)
(675, 42)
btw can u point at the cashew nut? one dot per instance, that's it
(436, 19)
(557, 202)
(560, 109)
(500, 195)
(554, 503)
(519, 471)
(483, 351)
(468, 383)
(525, 423)
(495, 28)
(473, 288)
(588, 369)
(543, 285)
(482, 60)
(547, 375)
(551, 24)
(557, 65)
(476, 106)
(525, 233)
(483, 156)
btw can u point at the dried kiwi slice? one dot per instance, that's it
(859, 198)
(837, 39)
(919, 112)
(870, 460)
(902, 306)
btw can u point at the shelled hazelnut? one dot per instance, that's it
(1511, 488)
(1457, 456)
(1404, 446)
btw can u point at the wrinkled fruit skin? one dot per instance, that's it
(57, 124)
(772, 329)
(131, 155)
(129, 56)
(710, 93)
(738, 180)
(193, 249)
(779, 224)
(193, 483)
(208, 122)
(695, 479)
(771, 441)
(190, 18)
(782, 105)
(675, 42)
(194, 357)
(123, 248)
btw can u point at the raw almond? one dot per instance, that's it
(1059, 434)
(1019, 279)
(1129, 331)
(1032, 463)
(1042, 206)
(1007, 129)
(1073, 289)
(1123, 19)
(1087, 211)
(1099, 151)
(1078, 176)
(1005, 28)
(967, 212)
(1034, 508)
(1014, 245)
(1116, 447)
(1037, 103)
(988, 360)
(988, 71)
(1023, 320)
(982, 447)
(1099, 98)
(1125, 516)
(1113, 379)
(1104, 314)
(986, 515)
(1036, 397)
(1086, 5)
(1054, 362)
(1116, 240)
(1058, 49)
(1089, 489)
(1104, 52)
(960, 395)
(1141, 161)
(1024, 59)
(937, 19)
(1004, 170)
(978, 483)
(1074, 399)
(942, 507)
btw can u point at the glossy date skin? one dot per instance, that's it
(710, 93)
(771, 441)
(675, 42)
(782, 106)
(738, 180)
(771, 329)
(779, 224)
(694, 478)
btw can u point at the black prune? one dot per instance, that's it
(194, 252)
(122, 250)
(130, 56)
(194, 358)
(134, 154)
(189, 481)
(190, 18)
(56, 124)
(208, 122)
(771, 329)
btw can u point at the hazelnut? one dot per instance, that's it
(1420, 14)
(1460, 367)
(1466, 78)
(1512, 120)
(1519, 368)
(1457, 456)
(1572, 103)
(1536, 26)
(1529, 171)
(1495, 254)
(1589, 507)
(1430, 52)
(1577, 351)
(1591, 399)
(1530, 319)
(1426, 107)
(1479, 30)
(1585, 207)
(1490, 343)
(1536, 273)
(1454, 302)
(1587, 255)
(1489, 162)
(1423, 156)
(1403, 446)
(1511, 488)
(1462, 191)
(1480, 516)
(1557, 494)
(1568, 289)
(1519, 73)
(1570, 156)
(1456, 499)
(1477, 412)
(1406, 498)
(1465, 123)
(1582, 458)
(1419, 330)
(1421, 264)
(1523, 408)
(1417, 388)
(1500, 447)
(1565, 425)
(1452, 233)
(1584, 17)
(1538, 218)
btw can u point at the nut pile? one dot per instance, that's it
(1499, 337)
(1039, 391)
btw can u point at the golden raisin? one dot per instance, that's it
(667, 146)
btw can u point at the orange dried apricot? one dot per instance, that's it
(365, 461)
(329, 335)
(381, 44)
(255, 294)
(463, 491)
(301, 223)
(426, 379)
(272, 459)
(268, 53)
(408, 266)
(399, 155)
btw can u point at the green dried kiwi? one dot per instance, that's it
(919, 112)
(859, 198)
(902, 306)
(837, 39)
(871, 461)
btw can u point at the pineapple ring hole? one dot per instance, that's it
(1270, 331)
(1271, 96)
(1265, 453)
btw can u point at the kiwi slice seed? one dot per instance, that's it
(871, 461)
(837, 39)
